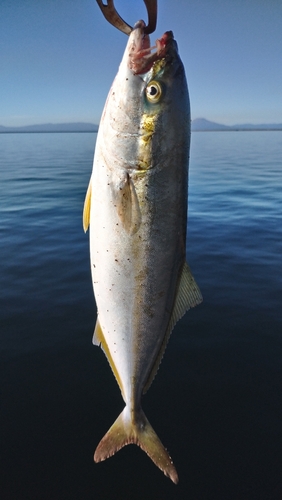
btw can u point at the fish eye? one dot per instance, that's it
(153, 91)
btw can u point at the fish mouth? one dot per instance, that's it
(142, 56)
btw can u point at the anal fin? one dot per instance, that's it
(99, 340)
(98, 336)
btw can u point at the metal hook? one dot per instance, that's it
(152, 9)
(110, 13)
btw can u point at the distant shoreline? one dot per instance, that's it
(48, 131)
(51, 128)
(197, 125)
(240, 130)
(95, 131)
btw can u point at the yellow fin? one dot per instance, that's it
(136, 430)
(86, 208)
(98, 336)
(99, 340)
(188, 295)
(127, 205)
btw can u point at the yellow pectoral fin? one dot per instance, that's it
(99, 340)
(188, 295)
(86, 208)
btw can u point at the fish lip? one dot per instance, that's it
(140, 55)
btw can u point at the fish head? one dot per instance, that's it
(152, 76)
(148, 104)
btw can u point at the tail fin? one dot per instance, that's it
(135, 431)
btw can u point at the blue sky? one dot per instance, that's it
(58, 58)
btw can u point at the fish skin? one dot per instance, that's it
(136, 205)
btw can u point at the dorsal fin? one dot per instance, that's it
(86, 207)
(188, 295)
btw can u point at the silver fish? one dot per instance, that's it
(136, 205)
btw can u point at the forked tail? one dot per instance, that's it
(136, 430)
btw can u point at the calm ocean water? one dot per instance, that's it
(216, 402)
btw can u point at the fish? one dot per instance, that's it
(136, 208)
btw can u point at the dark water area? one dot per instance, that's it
(216, 402)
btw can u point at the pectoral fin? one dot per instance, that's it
(188, 295)
(86, 208)
(127, 205)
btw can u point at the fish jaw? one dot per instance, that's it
(139, 55)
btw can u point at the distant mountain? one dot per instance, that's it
(52, 127)
(203, 125)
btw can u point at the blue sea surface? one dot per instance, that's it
(216, 402)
